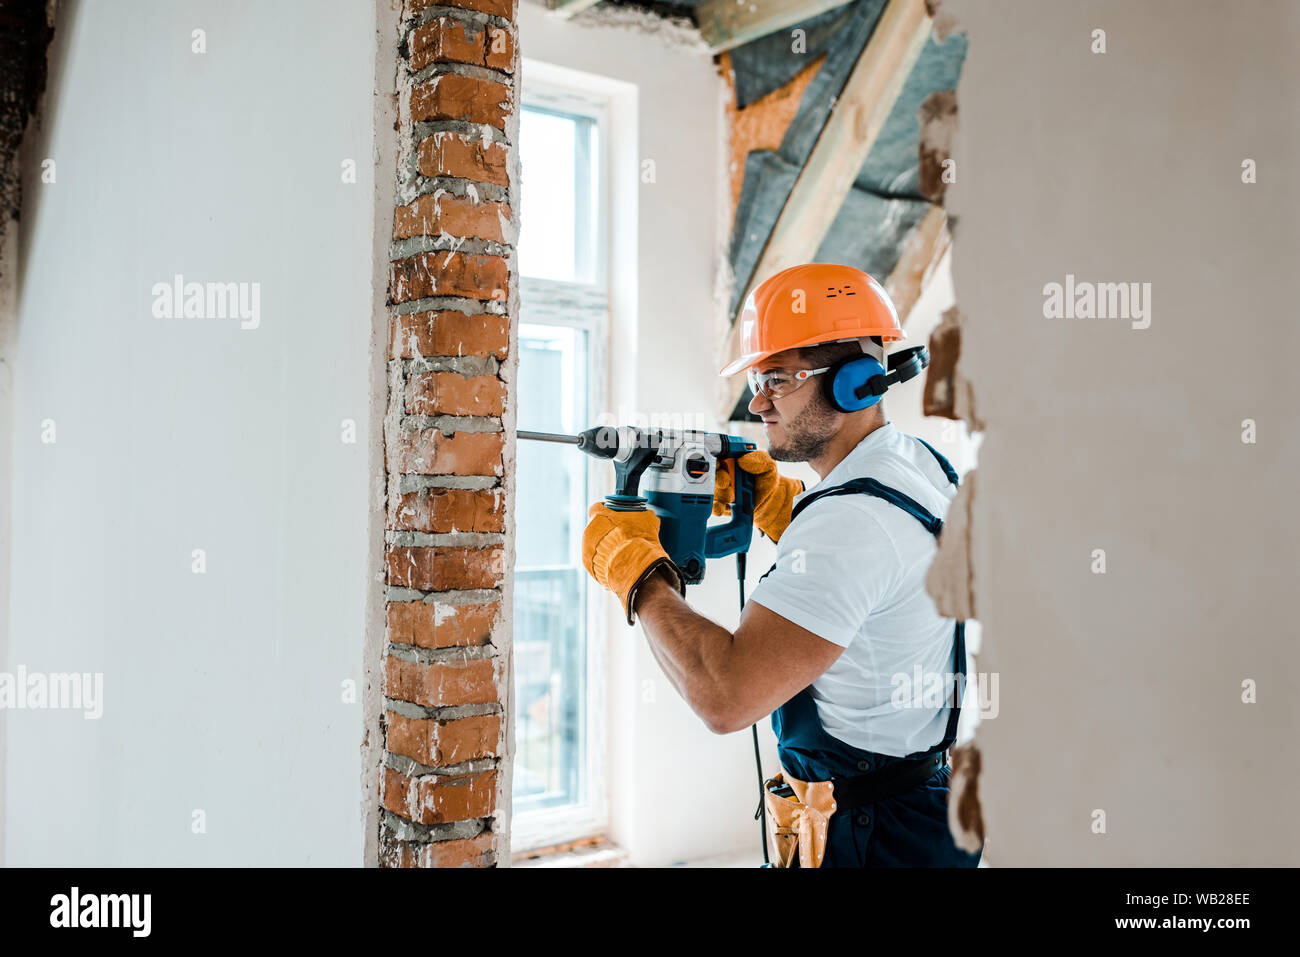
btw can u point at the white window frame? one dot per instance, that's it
(584, 306)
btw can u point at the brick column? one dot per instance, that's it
(453, 294)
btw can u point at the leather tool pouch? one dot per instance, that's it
(798, 818)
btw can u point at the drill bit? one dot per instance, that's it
(549, 437)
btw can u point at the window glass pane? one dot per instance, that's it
(550, 583)
(557, 238)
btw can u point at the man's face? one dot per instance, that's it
(800, 425)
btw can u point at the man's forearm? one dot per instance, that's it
(692, 650)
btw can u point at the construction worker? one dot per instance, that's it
(842, 620)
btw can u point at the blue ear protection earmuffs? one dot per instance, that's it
(858, 382)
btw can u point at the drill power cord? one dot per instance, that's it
(761, 814)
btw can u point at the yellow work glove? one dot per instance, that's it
(773, 493)
(621, 550)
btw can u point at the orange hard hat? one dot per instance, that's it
(810, 304)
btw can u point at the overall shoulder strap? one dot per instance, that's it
(934, 525)
(869, 486)
(944, 464)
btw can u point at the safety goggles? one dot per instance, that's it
(778, 383)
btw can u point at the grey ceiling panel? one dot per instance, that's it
(885, 203)
(770, 62)
(892, 167)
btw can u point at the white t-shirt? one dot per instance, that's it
(851, 569)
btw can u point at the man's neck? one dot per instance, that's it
(844, 442)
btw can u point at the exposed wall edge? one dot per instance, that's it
(387, 19)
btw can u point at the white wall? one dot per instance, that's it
(222, 691)
(678, 791)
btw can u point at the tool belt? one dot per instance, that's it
(799, 812)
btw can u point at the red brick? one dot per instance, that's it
(432, 799)
(434, 214)
(500, 49)
(394, 796)
(467, 852)
(439, 625)
(445, 567)
(451, 40)
(458, 216)
(437, 743)
(447, 40)
(450, 154)
(451, 96)
(443, 800)
(450, 274)
(497, 8)
(450, 393)
(430, 452)
(450, 334)
(450, 510)
(442, 684)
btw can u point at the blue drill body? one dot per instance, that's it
(680, 469)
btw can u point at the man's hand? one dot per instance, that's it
(621, 550)
(773, 493)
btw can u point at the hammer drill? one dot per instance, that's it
(680, 468)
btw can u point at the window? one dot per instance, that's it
(558, 164)
(558, 786)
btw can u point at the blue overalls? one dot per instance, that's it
(909, 829)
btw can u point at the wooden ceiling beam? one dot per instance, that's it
(923, 250)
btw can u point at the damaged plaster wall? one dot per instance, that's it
(676, 31)
(1133, 546)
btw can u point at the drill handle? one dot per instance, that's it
(735, 535)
